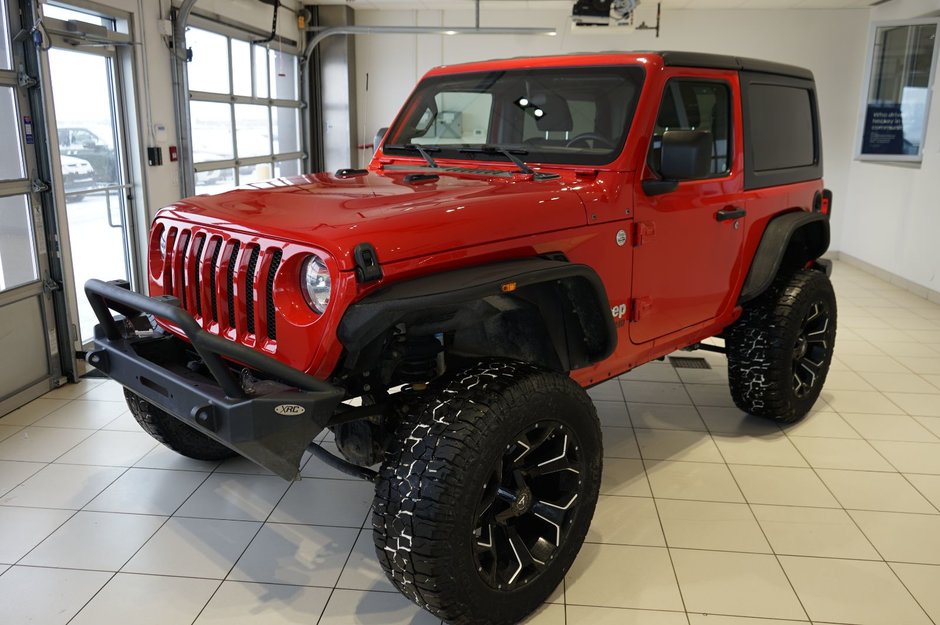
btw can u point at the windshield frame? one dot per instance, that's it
(635, 72)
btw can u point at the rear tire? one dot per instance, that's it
(780, 349)
(173, 433)
(486, 495)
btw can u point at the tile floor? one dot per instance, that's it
(707, 517)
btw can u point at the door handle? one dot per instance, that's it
(732, 212)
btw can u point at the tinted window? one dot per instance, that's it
(577, 115)
(696, 105)
(782, 127)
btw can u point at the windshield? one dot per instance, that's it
(575, 115)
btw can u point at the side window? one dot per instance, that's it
(782, 125)
(696, 105)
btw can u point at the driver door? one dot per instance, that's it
(687, 245)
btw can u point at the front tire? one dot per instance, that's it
(780, 349)
(173, 433)
(486, 495)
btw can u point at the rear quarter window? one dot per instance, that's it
(782, 127)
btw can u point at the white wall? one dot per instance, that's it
(831, 43)
(892, 212)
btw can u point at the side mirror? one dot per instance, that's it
(378, 138)
(686, 154)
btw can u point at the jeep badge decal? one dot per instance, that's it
(290, 410)
(621, 237)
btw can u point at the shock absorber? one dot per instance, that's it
(420, 359)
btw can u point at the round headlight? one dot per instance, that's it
(315, 283)
(163, 236)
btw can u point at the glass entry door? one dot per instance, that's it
(89, 124)
(28, 339)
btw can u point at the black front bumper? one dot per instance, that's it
(273, 425)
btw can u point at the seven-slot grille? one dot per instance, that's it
(226, 284)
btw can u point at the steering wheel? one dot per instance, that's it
(599, 140)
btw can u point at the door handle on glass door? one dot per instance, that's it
(731, 212)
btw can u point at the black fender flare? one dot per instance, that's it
(460, 297)
(810, 229)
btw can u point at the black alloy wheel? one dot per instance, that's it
(811, 352)
(527, 505)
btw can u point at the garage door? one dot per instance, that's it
(28, 343)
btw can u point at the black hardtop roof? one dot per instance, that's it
(723, 61)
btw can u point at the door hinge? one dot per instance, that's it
(643, 231)
(23, 79)
(39, 186)
(51, 286)
(640, 307)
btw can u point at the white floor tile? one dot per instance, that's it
(325, 502)
(148, 491)
(735, 583)
(822, 423)
(6, 431)
(46, 596)
(722, 420)
(547, 614)
(235, 497)
(677, 445)
(665, 417)
(927, 485)
(362, 570)
(36, 444)
(606, 391)
(162, 457)
(12, 473)
(931, 423)
(147, 600)
(693, 480)
(612, 413)
(770, 449)
(623, 577)
(714, 526)
(80, 413)
(786, 486)
(924, 366)
(100, 541)
(840, 453)
(717, 619)
(624, 477)
(74, 391)
(62, 486)
(125, 422)
(717, 376)
(655, 392)
(626, 521)
(591, 615)
(21, 529)
(619, 443)
(891, 427)
(851, 591)
(898, 382)
(109, 390)
(242, 465)
(300, 555)
(847, 380)
(194, 548)
(872, 402)
(110, 448)
(911, 457)
(923, 582)
(917, 404)
(867, 490)
(33, 411)
(710, 395)
(355, 607)
(902, 537)
(820, 532)
(240, 603)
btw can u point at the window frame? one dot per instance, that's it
(866, 87)
(667, 86)
(229, 98)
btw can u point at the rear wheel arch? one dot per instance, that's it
(789, 242)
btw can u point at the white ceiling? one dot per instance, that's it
(490, 5)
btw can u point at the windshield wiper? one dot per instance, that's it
(508, 152)
(424, 151)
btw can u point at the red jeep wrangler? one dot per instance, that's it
(527, 228)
